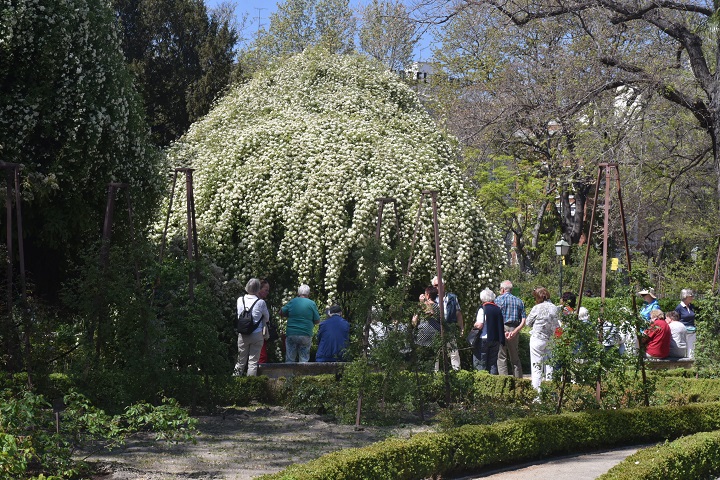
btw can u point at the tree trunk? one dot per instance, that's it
(538, 223)
(573, 224)
(714, 132)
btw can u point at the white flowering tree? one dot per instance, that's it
(69, 113)
(289, 167)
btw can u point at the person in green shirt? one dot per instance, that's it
(302, 315)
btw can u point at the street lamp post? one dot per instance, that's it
(561, 249)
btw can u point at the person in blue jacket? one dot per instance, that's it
(650, 302)
(333, 336)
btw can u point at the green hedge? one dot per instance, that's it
(679, 390)
(470, 448)
(696, 456)
(325, 394)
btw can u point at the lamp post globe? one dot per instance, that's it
(562, 248)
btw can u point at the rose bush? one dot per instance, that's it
(288, 168)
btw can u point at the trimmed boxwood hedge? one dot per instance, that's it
(688, 390)
(472, 447)
(326, 394)
(696, 456)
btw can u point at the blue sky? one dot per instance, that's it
(258, 14)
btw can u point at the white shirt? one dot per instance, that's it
(480, 319)
(260, 309)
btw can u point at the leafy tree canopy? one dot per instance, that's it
(388, 33)
(181, 57)
(301, 24)
(289, 167)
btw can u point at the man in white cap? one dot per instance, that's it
(650, 302)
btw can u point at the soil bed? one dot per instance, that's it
(238, 445)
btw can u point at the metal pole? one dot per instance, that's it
(606, 166)
(603, 278)
(104, 263)
(25, 313)
(9, 245)
(415, 230)
(562, 258)
(21, 245)
(606, 237)
(438, 259)
(624, 229)
(589, 237)
(132, 236)
(634, 301)
(366, 330)
(107, 225)
(717, 266)
(192, 250)
(167, 217)
(13, 345)
(441, 294)
(12, 341)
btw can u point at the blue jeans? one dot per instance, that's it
(297, 345)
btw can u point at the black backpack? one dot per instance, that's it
(244, 323)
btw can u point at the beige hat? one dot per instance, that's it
(647, 291)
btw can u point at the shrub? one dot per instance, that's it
(30, 444)
(72, 117)
(268, 152)
(678, 390)
(707, 348)
(695, 456)
(316, 394)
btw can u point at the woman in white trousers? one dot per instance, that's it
(544, 321)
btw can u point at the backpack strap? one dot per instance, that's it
(253, 304)
(251, 309)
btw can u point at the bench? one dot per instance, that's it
(669, 363)
(277, 370)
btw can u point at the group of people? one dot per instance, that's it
(668, 334)
(302, 315)
(494, 337)
(427, 321)
(495, 333)
(500, 319)
(497, 326)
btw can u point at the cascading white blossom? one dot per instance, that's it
(289, 166)
(69, 113)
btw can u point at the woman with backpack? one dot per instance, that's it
(250, 339)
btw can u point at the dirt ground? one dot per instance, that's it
(238, 445)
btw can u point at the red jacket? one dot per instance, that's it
(658, 334)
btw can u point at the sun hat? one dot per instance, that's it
(647, 291)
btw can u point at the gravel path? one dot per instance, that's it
(586, 466)
(239, 445)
